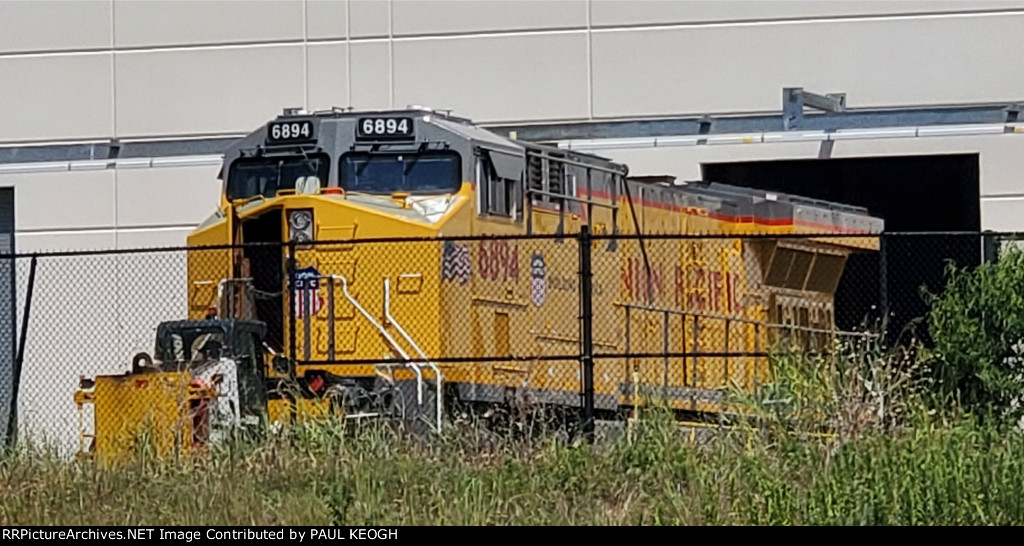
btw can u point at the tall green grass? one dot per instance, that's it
(337, 473)
(839, 439)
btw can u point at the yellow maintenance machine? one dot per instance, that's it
(358, 322)
(205, 383)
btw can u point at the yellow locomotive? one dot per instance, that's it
(480, 300)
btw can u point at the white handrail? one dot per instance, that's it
(408, 338)
(391, 340)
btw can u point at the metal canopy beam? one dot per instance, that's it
(113, 150)
(851, 119)
(836, 117)
(794, 99)
(833, 116)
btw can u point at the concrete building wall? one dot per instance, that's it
(127, 68)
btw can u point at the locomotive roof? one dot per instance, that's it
(463, 127)
(726, 191)
(742, 202)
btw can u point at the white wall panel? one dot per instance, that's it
(63, 200)
(185, 195)
(179, 22)
(496, 77)
(74, 330)
(55, 97)
(369, 18)
(1003, 214)
(57, 241)
(744, 67)
(54, 26)
(652, 12)
(371, 76)
(445, 17)
(326, 19)
(327, 69)
(206, 90)
(153, 237)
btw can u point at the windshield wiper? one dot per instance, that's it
(409, 165)
(361, 168)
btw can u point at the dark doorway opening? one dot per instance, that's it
(8, 309)
(265, 268)
(931, 195)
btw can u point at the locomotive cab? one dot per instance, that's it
(296, 192)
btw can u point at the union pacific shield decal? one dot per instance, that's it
(308, 301)
(538, 279)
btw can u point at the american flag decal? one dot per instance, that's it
(455, 263)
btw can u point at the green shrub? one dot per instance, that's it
(977, 326)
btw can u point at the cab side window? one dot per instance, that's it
(500, 186)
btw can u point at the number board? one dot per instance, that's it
(290, 132)
(384, 128)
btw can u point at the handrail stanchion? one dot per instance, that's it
(437, 371)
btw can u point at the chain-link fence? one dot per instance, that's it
(425, 329)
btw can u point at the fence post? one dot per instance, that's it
(586, 333)
(989, 246)
(883, 283)
(12, 416)
(292, 354)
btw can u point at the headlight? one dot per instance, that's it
(300, 223)
(300, 219)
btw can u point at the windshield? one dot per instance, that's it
(266, 175)
(428, 172)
